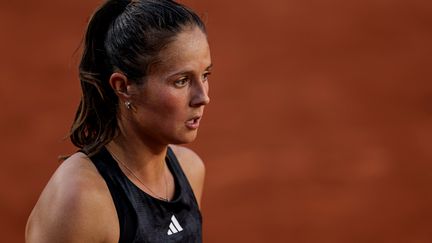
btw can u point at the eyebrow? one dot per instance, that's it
(187, 71)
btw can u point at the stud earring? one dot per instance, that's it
(128, 105)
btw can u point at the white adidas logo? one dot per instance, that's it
(174, 226)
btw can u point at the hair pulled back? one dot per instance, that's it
(124, 36)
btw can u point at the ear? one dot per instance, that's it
(119, 83)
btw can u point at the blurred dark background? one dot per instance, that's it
(319, 129)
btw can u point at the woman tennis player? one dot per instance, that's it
(143, 73)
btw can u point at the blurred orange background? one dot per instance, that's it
(319, 129)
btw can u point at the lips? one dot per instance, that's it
(193, 123)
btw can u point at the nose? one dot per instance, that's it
(200, 95)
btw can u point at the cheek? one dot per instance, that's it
(172, 104)
(169, 104)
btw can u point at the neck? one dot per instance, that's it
(144, 159)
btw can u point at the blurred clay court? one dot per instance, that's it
(319, 129)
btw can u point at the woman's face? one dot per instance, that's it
(169, 105)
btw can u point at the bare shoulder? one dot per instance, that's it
(72, 206)
(193, 167)
(188, 159)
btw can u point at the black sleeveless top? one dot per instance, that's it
(143, 218)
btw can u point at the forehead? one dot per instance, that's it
(188, 50)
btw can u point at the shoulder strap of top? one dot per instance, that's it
(177, 169)
(107, 169)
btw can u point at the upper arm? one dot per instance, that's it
(71, 209)
(193, 167)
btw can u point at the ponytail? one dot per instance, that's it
(95, 120)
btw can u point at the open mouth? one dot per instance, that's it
(193, 123)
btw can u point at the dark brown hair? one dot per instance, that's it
(121, 36)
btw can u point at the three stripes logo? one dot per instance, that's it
(174, 226)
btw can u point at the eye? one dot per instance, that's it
(206, 76)
(181, 82)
